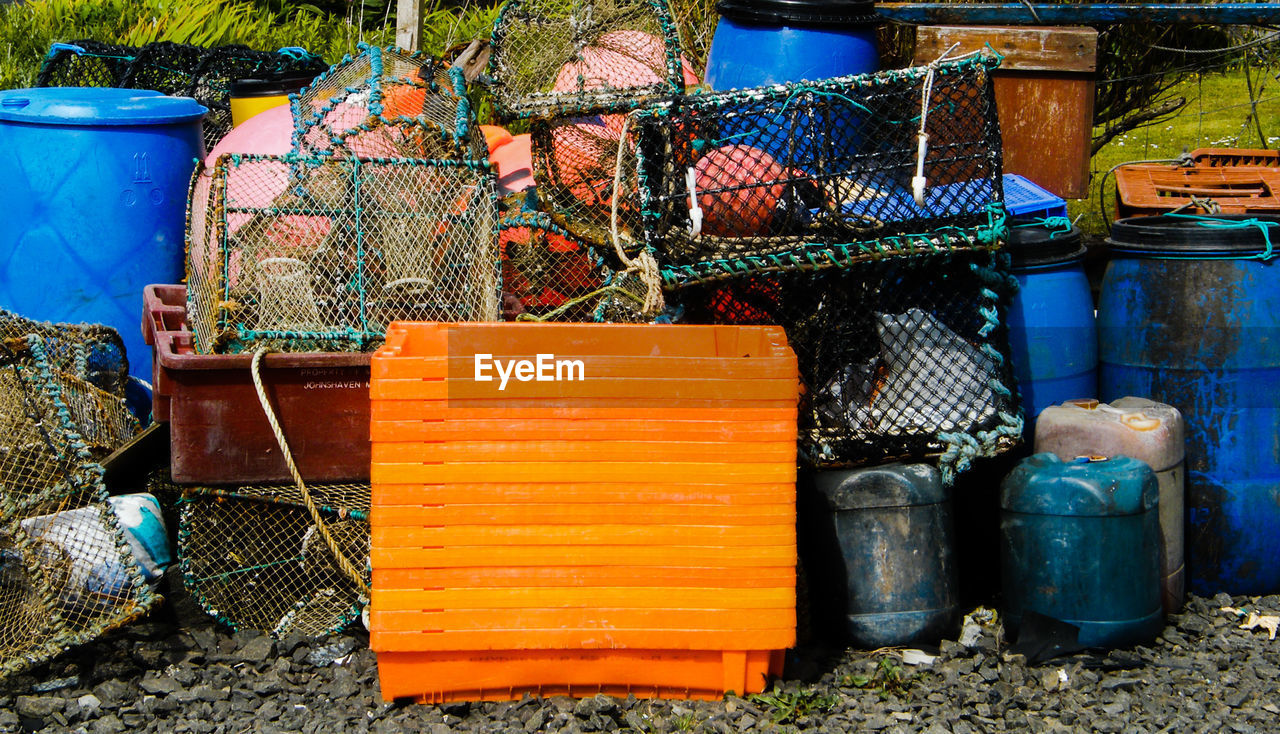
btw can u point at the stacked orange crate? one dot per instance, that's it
(629, 530)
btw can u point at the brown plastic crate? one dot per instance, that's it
(1147, 190)
(1240, 157)
(218, 432)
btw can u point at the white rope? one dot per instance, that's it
(919, 182)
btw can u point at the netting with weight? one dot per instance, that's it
(808, 175)
(549, 275)
(903, 358)
(173, 68)
(321, 253)
(67, 572)
(553, 58)
(254, 557)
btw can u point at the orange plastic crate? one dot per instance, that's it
(1147, 190)
(1239, 157)
(631, 532)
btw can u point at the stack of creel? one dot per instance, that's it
(252, 552)
(173, 68)
(616, 515)
(67, 574)
(384, 209)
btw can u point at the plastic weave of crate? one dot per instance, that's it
(1235, 157)
(1026, 200)
(813, 174)
(631, 530)
(1148, 189)
(218, 432)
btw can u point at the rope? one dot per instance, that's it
(344, 564)
(644, 264)
(918, 182)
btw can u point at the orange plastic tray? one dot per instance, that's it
(585, 576)
(534, 430)
(642, 411)
(643, 471)
(439, 677)
(741, 557)
(618, 490)
(1146, 189)
(1238, 157)
(582, 535)
(548, 451)
(579, 514)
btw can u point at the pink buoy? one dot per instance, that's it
(738, 191)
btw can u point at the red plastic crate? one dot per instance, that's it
(217, 430)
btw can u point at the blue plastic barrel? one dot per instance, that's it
(97, 189)
(761, 42)
(1080, 542)
(1189, 315)
(893, 573)
(1052, 335)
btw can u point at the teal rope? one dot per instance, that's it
(1212, 222)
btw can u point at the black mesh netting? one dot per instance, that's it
(811, 173)
(903, 358)
(173, 68)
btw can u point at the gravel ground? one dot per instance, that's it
(177, 672)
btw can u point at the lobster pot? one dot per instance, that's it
(902, 358)
(174, 69)
(91, 352)
(811, 174)
(553, 59)
(67, 574)
(550, 275)
(254, 557)
(321, 253)
(388, 103)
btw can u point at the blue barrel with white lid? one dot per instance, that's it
(97, 181)
(1053, 340)
(1189, 315)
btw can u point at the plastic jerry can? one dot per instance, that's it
(1150, 432)
(1080, 542)
(894, 530)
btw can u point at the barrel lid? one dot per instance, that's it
(96, 106)
(891, 485)
(1043, 484)
(1193, 235)
(824, 13)
(286, 84)
(1034, 245)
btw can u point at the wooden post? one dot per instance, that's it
(409, 24)
(1044, 95)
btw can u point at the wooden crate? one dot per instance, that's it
(1044, 94)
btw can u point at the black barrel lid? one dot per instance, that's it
(286, 84)
(823, 13)
(1231, 235)
(1035, 245)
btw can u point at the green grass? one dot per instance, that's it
(1213, 118)
(27, 29)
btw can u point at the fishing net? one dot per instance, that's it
(386, 103)
(67, 572)
(903, 358)
(173, 68)
(553, 58)
(808, 175)
(92, 352)
(549, 275)
(254, 558)
(321, 253)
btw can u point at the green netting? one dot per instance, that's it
(67, 574)
(554, 58)
(173, 68)
(253, 557)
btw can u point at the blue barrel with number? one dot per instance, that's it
(97, 191)
(1189, 315)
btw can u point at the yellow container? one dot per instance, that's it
(252, 96)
